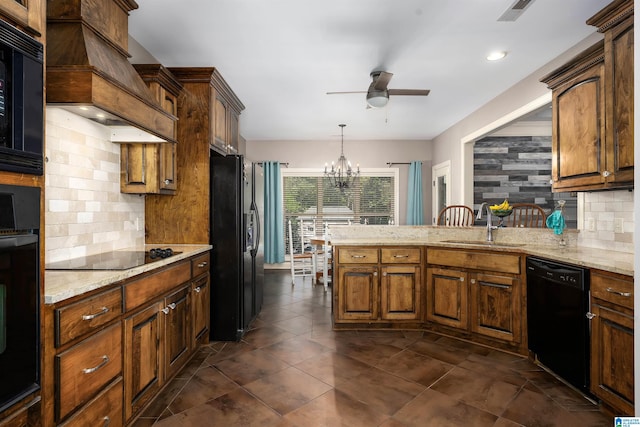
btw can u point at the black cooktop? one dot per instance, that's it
(116, 260)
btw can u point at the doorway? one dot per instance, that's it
(441, 196)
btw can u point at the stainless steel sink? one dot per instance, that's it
(483, 243)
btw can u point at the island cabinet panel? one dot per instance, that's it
(495, 307)
(358, 293)
(177, 334)
(142, 369)
(447, 297)
(139, 291)
(379, 285)
(401, 290)
(86, 368)
(612, 341)
(200, 302)
(477, 295)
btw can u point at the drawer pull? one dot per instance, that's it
(197, 289)
(107, 421)
(401, 256)
(202, 265)
(492, 285)
(622, 294)
(105, 360)
(103, 310)
(384, 274)
(172, 306)
(590, 315)
(165, 310)
(358, 256)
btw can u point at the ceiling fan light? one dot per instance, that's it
(377, 98)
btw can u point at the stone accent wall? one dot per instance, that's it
(517, 168)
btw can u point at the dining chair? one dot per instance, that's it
(301, 262)
(526, 215)
(456, 216)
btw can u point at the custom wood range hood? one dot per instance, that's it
(88, 72)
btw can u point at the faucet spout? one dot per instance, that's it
(490, 226)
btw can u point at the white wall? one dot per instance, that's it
(368, 154)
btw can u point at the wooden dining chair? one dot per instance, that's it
(301, 262)
(456, 216)
(527, 215)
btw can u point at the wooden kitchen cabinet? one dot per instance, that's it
(184, 218)
(612, 338)
(592, 101)
(152, 168)
(29, 14)
(477, 294)
(133, 336)
(378, 284)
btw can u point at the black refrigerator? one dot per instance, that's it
(237, 257)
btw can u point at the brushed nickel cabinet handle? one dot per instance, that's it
(401, 256)
(622, 294)
(103, 310)
(375, 273)
(107, 421)
(590, 315)
(105, 360)
(165, 310)
(358, 256)
(197, 289)
(606, 174)
(384, 274)
(202, 264)
(172, 306)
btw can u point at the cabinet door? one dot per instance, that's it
(142, 374)
(619, 97)
(200, 309)
(447, 297)
(220, 124)
(495, 306)
(25, 12)
(177, 334)
(579, 131)
(167, 157)
(400, 292)
(139, 168)
(358, 297)
(612, 357)
(233, 132)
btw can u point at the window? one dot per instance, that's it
(308, 195)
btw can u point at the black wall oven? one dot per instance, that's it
(19, 293)
(21, 102)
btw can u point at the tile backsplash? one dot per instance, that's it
(85, 213)
(601, 211)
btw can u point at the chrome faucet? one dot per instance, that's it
(490, 226)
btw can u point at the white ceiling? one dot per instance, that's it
(281, 57)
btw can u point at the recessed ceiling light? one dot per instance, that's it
(494, 56)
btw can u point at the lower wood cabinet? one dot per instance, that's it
(612, 337)
(378, 285)
(134, 337)
(477, 294)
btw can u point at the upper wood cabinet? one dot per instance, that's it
(152, 168)
(592, 105)
(184, 218)
(29, 14)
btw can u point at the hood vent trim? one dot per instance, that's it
(88, 71)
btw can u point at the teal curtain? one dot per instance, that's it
(273, 217)
(414, 195)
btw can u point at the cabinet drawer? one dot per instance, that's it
(400, 255)
(199, 265)
(86, 368)
(615, 289)
(141, 291)
(496, 261)
(104, 410)
(84, 316)
(358, 256)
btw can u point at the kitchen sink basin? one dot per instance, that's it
(483, 243)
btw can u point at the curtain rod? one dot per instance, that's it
(397, 163)
(285, 164)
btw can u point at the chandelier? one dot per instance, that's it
(342, 175)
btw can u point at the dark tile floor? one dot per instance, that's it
(292, 369)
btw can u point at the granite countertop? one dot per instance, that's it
(537, 242)
(63, 284)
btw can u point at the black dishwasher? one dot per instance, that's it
(558, 327)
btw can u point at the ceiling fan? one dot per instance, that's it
(378, 93)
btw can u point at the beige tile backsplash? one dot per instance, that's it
(603, 209)
(85, 213)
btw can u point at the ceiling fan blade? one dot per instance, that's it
(417, 92)
(382, 81)
(342, 93)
